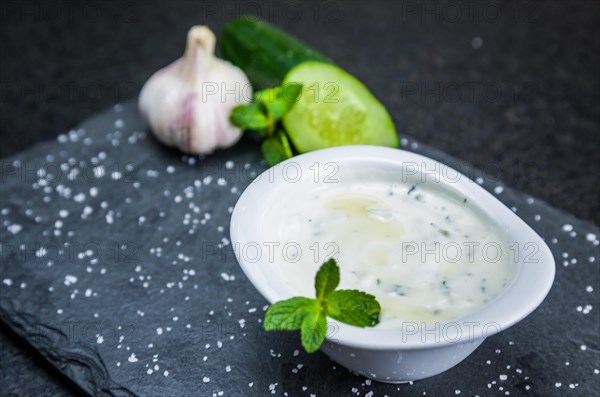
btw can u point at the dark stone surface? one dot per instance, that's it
(525, 104)
(23, 371)
(61, 62)
(117, 267)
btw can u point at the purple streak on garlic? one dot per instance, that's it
(188, 103)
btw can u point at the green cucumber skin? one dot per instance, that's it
(353, 116)
(265, 53)
(271, 57)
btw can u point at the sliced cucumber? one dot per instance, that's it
(335, 109)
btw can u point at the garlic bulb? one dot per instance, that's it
(188, 103)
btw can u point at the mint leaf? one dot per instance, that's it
(285, 144)
(264, 117)
(310, 315)
(314, 330)
(249, 117)
(289, 315)
(279, 100)
(276, 149)
(327, 279)
(353, 307)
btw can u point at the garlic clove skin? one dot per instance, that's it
(188, 103)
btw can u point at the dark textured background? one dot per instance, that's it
(526, 104)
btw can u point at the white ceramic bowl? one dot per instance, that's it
(417, 350)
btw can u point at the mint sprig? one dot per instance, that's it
(308, 315)
(250, 117)
(264, 117)
(276, 148)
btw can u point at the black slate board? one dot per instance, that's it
(116, 266)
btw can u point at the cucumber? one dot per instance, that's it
(262, 51)
(335, 109)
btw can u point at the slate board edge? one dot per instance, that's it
(81, 365)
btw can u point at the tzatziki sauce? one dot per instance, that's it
(426, 253)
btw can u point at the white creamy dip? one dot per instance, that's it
(423, 251)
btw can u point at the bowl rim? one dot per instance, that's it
(531, 282)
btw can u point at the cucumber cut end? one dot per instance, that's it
(335, 109)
